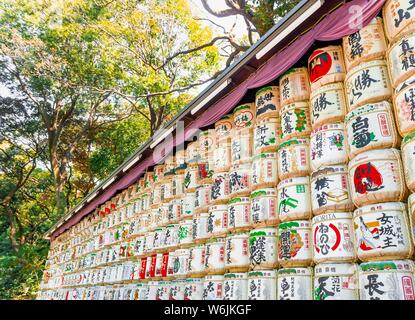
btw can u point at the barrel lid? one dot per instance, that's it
(265, 89)
(238, 199)
(331, 216)
(238, 275)
(328, 269)
(262, 274)
(329, 169)
(294, 224)
(372, 107)
(402, 265)
(263, 232)
(379, 207)
(298, 271)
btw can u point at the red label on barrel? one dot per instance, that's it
(165, 264)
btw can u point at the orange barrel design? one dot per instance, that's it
(264, 207)
(295, 284)
(294, 246)
(215, 256)
(294, 158)
(369, 43)
(327, 146)
(408, 152)
(377, 176)
(387, 280)
(336, 281)
(333, 238)
(262, 285)
(244, 116)
(264, 170)
(330, 191)
(372, 242)
(326, 65)
(295, 120)
(239, 214)
(328, 104)
(401, 59)
(399, 18)
(370, 127)
(237, 252)
(220, 189)
(213, 287)
(294, 202)
(294, 86)
(217, 225)
(263, 248)
(267, 102)
(223, 128)
(369, 82)
(197, 260)
(404, 107)
(266, 134)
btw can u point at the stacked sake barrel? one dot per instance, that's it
(376, 173)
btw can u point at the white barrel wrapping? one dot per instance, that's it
(193, 289)
(262, 285)
(237, 251)
(267, 102)
(235, 286)
(294, 158)
(295, 284)
(213, 287)
(264, 170)
(294, 86)
(294, 246)
(217, 224)
(264, 207)
(215, 256)
(239, 214)
(263, 248)
(294, 202)
(295, 120)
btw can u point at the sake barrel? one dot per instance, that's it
(148, 180)
(294, 158)
(203, 194)
(220, 189)
(411, 211)
(264, 171)
(328, 104)
(175, 209)
(294, 248)
(326, 65)
(235, 286)
(295, 284)
(181, 263)
(370, 127)
(401, 59)
(330, 190)
(267, 102)
(382, 232)
(367, 83)
(197, 260)
(159, 264)
(163, 290)
(193, 289)
(244, 116)
(404, 107)
(236, 252)
(180, 160)
(189, 200)
(215, 256)
(170, 164)
(240, 179)
(207, 142)
(368, 43)
(262, 285)
(294, 86)
(157, 239)
(295, 120)
(192, 152)
(399, 17)
(166, 190)
(151, 266)
(185, 233)
(205, 170)
(376, 176)
(327, 146)
(333, 238)
(222, 157)
(263, 207)
(155, 196)
(263, 248)
(387, 280)
(213, 287)
(242, 145)
(167, 265)
(178, 185)
(223, 128)
(293, 199)
(336, 281)
(217, 224)
(171, 239)
(266, 134)
(177, 290)
(199, 228)
(190, 177)
(239, 213)
(149, 240)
